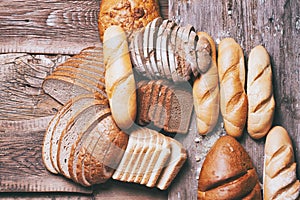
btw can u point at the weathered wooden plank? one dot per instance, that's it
(274, 24)
(51, 27)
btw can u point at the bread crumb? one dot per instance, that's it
(197, 140)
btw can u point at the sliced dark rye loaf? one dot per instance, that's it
(180, 110)
(166, 110)
(160, 105)
(140, 97)
(72, 131)
(154, 26)
(106, 160)
(63, 88)
(147, 101)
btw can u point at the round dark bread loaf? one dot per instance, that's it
(228, 173)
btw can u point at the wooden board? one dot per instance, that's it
(275, 24)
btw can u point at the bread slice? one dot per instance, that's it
(147, 100)
(179, 54)
(139, 137)
(137, 63)
(154, 26)
(73, 130)
(187, 52)
(159, 47)
(77, 105)
(144, 45)
(171, 53)
(47, 139)
(166, 109)
(154, 98)
(160, 162)
(191, 48)
(151, 144)
(164, 48)
(140, 98)
(177, 158)
(160, 105)
(83, 63)
(86, 72)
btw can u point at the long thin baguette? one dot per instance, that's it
(119, 78)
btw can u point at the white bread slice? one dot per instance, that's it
(140, 139)
(118, 174)
(77, 106)
(153, 159)
(159, 49)
(86, 72)
(151, 144)
(160, 162)
(141, 154)
(171, 53)
(72, 132)
(177, 159)
(47, 139)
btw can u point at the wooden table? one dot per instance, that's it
(35, 34)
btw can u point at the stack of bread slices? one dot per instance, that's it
(164, 49)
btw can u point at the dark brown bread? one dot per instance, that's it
(228, 172)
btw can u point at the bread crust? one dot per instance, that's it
(233, 98)
(261, 101)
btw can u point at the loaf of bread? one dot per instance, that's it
(165, 50)
(228, 173)
(119, 78)
(206, 90)
(279, 177)
(82, 141)
(168, 106)
(150, 159)
(261, 103)
(131, 15)
(233, 98)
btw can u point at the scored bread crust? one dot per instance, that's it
(233, 98)
(72, 131)
(227, 172)
(206, 95)
(261, 101)
(279, 174)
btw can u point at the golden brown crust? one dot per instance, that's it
(233, 98)
(131, 15)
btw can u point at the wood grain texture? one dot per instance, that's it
(275, 25)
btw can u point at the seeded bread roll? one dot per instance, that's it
(234, 103)
(206, 93)
(119, 78)
(131, 15)
(279, 177)
(260, 93)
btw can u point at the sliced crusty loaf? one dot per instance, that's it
(73, 130)
(177, 158)
(160, 105)
(78, 105)
(154, 98)
(171, 52)
(147, 101)
(159, 47)
(189, 56)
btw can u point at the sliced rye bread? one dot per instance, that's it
(160, 162)
(47, 139)
(166, 109)
(180, 111)
(151, 144)
(107, 153)
(154, 98)
(203, 53)
(140, 97)
(159, 39)
(139, 137)
(164, 49)
(154, 26)
(121, 169)
(154, 157)
(72, 132)
(160, 105)
(177, 158)
(64, 88)
(146, 101)
(171, 53)
(78, 105)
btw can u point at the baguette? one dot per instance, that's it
(206, 93)
(261, 103)
(233, 98)
(279, 176)
(119, 78)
